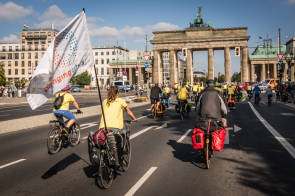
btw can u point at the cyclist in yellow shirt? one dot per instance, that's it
(64, 108)
(182, 95)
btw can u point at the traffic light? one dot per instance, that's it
(237, 51)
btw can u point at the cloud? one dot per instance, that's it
(132, 31)
(12, 11)
(105, 32)
(12, 38)
(162, 26)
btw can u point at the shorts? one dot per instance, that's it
(65, 113)
(154, 100)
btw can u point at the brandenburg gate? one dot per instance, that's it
(199, 37)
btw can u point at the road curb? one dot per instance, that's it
(41, 120)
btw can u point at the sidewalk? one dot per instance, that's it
(36, 121)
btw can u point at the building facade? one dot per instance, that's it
(103, 56)
(21, 59)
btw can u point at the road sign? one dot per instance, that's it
(146, 64)
(136, 73)
(124, 78)
(281, 56)
(146, 57)
(124, 73)
(136, 68)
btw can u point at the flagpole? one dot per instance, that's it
(99, 94)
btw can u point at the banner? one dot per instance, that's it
(70, 54)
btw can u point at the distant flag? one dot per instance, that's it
(68, 55)
(26, 26)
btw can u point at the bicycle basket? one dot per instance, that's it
(99, 137)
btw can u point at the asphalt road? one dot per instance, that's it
(24, 110)
(253, 162)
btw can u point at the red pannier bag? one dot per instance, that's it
(218, 138)
(198, 139)
(99, 137)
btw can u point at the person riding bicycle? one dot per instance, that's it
(113, 112)
(195, 89)
(256, 92)
(269, 92)
(64, 109)
(210, 106)
(166, 94)
(155, 95)
(182, 95)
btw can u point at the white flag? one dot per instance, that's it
(70, 54)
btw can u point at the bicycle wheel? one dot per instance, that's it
(105, 172)
(54, 140)
(126, 156)
(74, 136)
(207, 156)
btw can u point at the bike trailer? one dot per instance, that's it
(99, 137)
(198, 139)
(218, 138)
(160, 109)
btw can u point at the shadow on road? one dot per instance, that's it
(61, 165)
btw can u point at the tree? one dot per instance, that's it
(19, 84)
(82, 79)
(2, 75)
(236, 77)
(221, 79)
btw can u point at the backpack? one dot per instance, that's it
(58, 101)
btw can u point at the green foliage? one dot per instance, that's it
(82, 79)
(2, 76)
(221, 79)
(236, 77)
(20, 84)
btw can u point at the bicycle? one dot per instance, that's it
(158, 109)
(184, 109)
(58, 135)
(103, 158)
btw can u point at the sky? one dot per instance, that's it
(128, 21)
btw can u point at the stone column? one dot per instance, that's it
(155, 69)
(245, 75)
(292, 72)
(140, 74)
(189, 65)
(210, 64)
(252, 72)
(262, 75)
(172, 66)
(227, 64)
(176, 73)
(130, 76)
(285, 72)
(275, 72)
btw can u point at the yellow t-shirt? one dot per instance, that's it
(113, 114)
(249, 88)
(68, 98)
(231, 90)
(166, 90)
(182, 93)
(195, 88)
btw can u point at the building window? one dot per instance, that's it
(16, 55)
(96, 53)
(29, 63)
(49, 33)
(16, 71)
(43, 42)
(29, 43)
(9, 71)
(36, 42)
(9, 56)
(108, 53)
(30, 47)
(36, 55)
(113, 53)
(16, 63)
(23, 63)
(23, 55)
(2, 56)
(10, 48)
(102, 71)
(3, 48)
(36, 63)
(9, 63)
(96, 61)
(108, 61)
(29, 55)
(101, 53)
(102, 61)
(36, 47)
(16, 48)
(113, 59)
(23, 48)
(23, 71)
(108, 71)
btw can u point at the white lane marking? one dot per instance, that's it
(142, 117)
(5, 115)
(12, 163)
(182, 137)
(140, 182)
(84, 138)
(287, 114)
(148, 109)
(88, 125)
(162, 126)
(141, 132)
(276, 135)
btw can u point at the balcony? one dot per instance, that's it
(32, 37)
